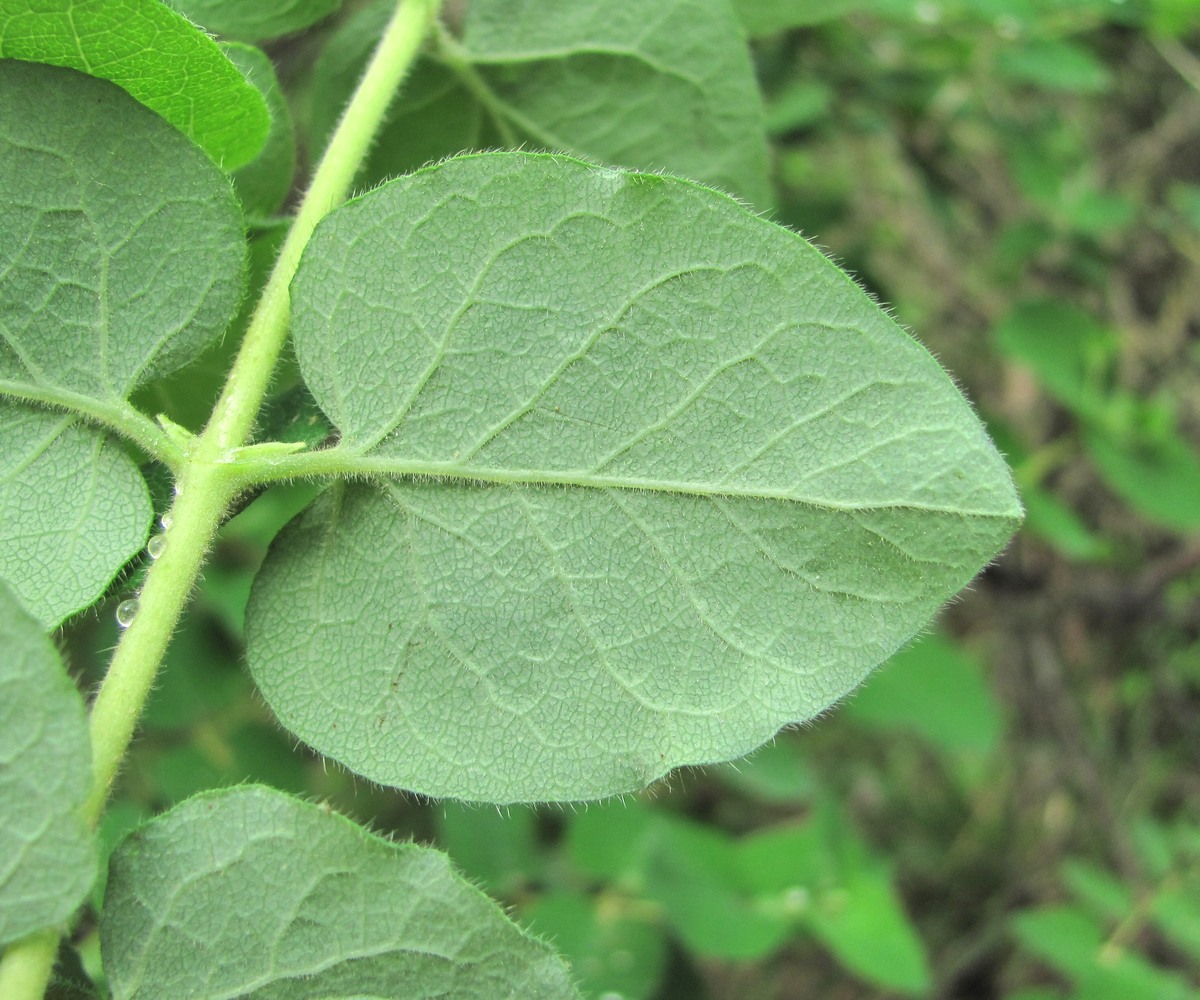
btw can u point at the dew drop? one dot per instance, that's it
(126, 612)
(165, 521)
(154, 547)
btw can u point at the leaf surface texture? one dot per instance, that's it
(47, 858)
(155, 55)
(250, 893)
(653, 479)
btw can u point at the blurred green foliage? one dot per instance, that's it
(1009, 809)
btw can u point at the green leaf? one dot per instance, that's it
(614, 952)
(936, 690)
(496, 850)
(147, 49)
(822, 875)
(1053, 521)
(248, 892)
(1054, 64)
(73, 510)
(121, 246)
(1159, 475)
(608, 840)
(769, 17)
(1103, 894)
(47, 854)
(865, 925)
(694, 873)
(1177, 912)
(1072, 943)
(264, 183)
(1068, 349)
(675, 91)
(257, 21)
(691, 484)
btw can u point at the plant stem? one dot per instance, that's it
(207, 480)
(27, 964)
(204, 492)
(239, 403)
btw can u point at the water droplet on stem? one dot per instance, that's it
(154, 547)
(126, 612)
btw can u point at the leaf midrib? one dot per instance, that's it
(345, 460)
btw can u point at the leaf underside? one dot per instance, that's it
(47, 859)
(652, 479)
(322, 909)
(73, 509)
(121, 259)
(668, 89)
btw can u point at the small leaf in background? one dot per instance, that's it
(1101, 892)
(776, 772)
(693, 484)
(1073, 944)
(693, 872)
(1069, 350)
(1157, 474)
(1177, 912)
(200, 676)
(1055, 64)
(937, 690)
(323, 909)
(1053, 521)
(820, 876)
(612, 952)
(256, 21)
(496, 849)
(607, 841)
(264, 183)
(864, 924)
(800, 105)
(155, 55)
(769, 17)
(73, 510)
(47, 853)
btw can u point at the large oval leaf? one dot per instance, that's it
(667, 480)
(247, 892)
(47, 857)
(155, 55)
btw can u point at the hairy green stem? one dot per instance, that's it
(208, 481)
(27, 964)
(239, 403)
(207, 474)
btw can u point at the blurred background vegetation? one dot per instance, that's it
(1011, 808)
